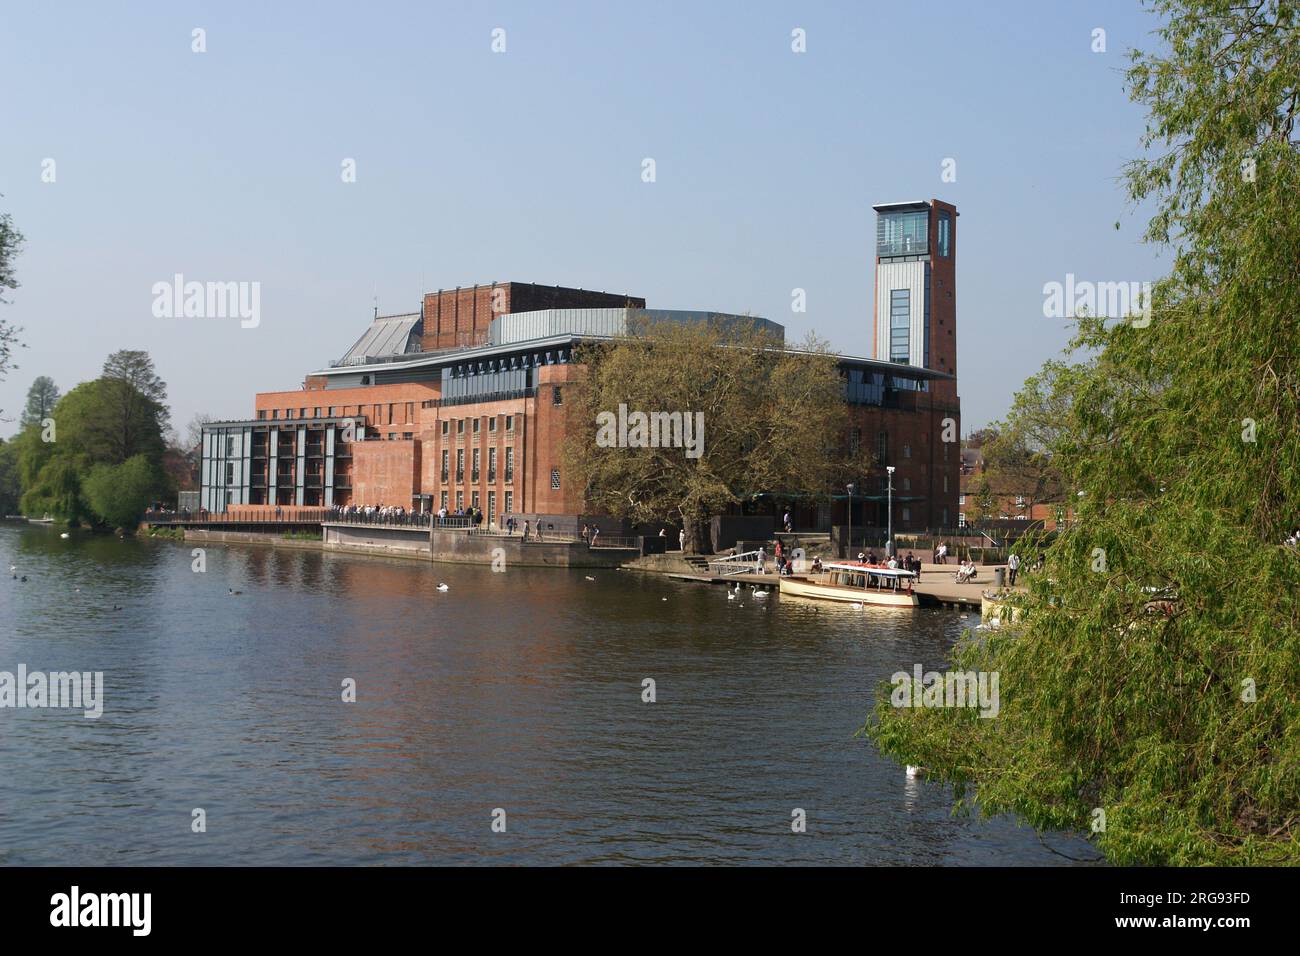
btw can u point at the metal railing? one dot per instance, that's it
(299, 515)
(744, 563)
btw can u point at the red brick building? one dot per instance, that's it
(462, 405)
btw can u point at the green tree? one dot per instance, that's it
(774, 419)
(11, 243)
(86, 434)
(1176, 722)
(133, 417)
(11, 489)
(41, 399)
(118, 494)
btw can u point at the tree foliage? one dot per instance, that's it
(41, 399)
(80, 476)
(11, 243)
(118, 494)
(1178, 720)
(775, 420)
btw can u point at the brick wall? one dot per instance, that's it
(460, 317)
(385, 472)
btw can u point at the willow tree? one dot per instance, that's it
(1169, 729)
(681, 421)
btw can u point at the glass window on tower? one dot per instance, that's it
(902, 233)
(945, 234)
(900, 324)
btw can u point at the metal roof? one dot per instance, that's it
(913, 204)
(387, 335)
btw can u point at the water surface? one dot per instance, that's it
(519, 690)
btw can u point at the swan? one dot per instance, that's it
(443, 587)
(589, 577)
(65, 535)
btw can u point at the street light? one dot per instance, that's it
(850, 487)
(889, 540)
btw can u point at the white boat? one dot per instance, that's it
(855, 582)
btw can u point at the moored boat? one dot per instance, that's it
(855, 582)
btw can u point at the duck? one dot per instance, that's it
(117, 607)
(589, 577)
(23, 578)
(443, 587)
(233, 592)
(65, 536)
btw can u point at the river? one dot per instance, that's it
(518, 691)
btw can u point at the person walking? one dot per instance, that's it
(595, 533)
(1013, 565)
(762, 560)
(525, 529)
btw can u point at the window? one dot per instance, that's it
(907, 484)
(473, 499)
(334, 411)
(406, 436)
(882, 447)
(492, 464)
(907, 451)
(460, 464)
(445, 423)
(261, 415)
(510, 423)
(945, 484)
(460, 501)
(961, 519)
(945, 234)
(555, 479)
(492, 424)
(492, 507)
(460, 426)
(473, 471)
(510, 464)
(902, 233)
(1020, 501)
(907, 514)
(392, 436)
(275, 413)
(510, 502)
(230, 446)
(444, 499)
(557, 398)
(445, 455)
(230, 473)
(961, 499)
(315, 413)
(476, 426)
(900, 325)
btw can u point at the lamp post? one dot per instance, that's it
(889, 511)
(849, 553)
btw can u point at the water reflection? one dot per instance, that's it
(519, 690)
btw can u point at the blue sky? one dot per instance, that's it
(475, 166)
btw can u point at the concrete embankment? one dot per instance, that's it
(454, 547)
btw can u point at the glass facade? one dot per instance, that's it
(903, 233)
(900, 318)
(864, 387)
(945, 234)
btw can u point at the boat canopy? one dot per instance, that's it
(864, 568)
